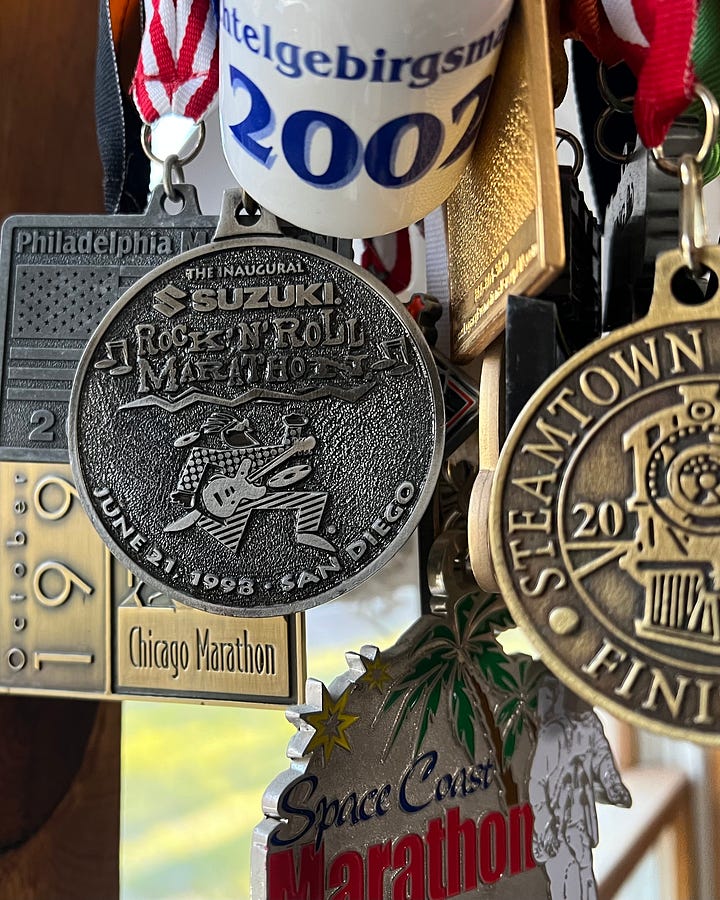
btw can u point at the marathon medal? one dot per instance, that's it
(441, 767)
(605, 515)
(59, 275)
(75, 622)
(505, 217)
(256, 426)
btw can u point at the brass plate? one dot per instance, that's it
(78, 624)
(605, 517)
(504, 220)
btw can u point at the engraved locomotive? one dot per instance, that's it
(676, 471)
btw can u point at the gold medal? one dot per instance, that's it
(504, 219)
(605, 509)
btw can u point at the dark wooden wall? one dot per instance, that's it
(59, 759)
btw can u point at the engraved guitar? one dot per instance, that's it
(223, 493)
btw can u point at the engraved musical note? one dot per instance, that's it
(117, 366)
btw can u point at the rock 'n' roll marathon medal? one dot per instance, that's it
(605, 509)
(77, 622)
(439, 768)
(256, 425)
(504, 219)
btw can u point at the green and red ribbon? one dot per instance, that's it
(668, 44)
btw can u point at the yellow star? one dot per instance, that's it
(377, 674)
(330, 724)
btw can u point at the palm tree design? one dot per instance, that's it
(461, 657)
(517, 711)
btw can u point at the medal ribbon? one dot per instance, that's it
(706, 59)
(655, 39)
(125, 166)
(389, 258)
(177, 71)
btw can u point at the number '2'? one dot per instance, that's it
(346, 154)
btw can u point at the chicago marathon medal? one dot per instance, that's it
(441, 767)
(75, 622)
(605, 515)
(256, 426)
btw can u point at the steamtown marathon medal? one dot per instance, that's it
(605, 516)
(256, 426)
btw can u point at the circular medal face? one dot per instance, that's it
(605, 519)
(256, 427)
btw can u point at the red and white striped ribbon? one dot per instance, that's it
(631, 23)
(655, 39)
(177, 71)
(389, 258)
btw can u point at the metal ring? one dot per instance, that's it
(171, 165)
(712, 116)
(693, 233)
(577, 149)
(146, 137)
(624, 105)
(248, 204)
(602, 147)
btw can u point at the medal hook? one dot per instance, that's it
(712, 117)
(613, 105)
(693, 230)
(620, 107)
(616, 104)
(173, 164)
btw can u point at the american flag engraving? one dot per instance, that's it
(59, 275)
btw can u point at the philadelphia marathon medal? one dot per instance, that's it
(605, 516)
(257, 425)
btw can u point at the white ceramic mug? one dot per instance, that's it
(354, 117)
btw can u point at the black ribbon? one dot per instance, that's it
(604, 174)
(126, 167)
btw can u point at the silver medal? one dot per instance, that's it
(75, 622)
(256, 426)
(59, 275)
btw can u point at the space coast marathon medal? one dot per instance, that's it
(605, 514)
(439, 768)
(257, 425)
